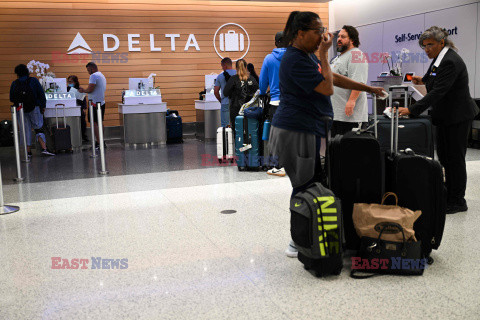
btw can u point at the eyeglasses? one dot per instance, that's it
(320, 30)
(429, 46)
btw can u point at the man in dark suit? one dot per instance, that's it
(453, 110)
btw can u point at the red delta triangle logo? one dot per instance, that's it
(79, 46)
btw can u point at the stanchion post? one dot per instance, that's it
(4, 209)
(22, 124)
(100, 139)
(92, 128)
(19, 177)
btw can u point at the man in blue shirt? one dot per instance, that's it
(269, 77)
(29, 92)
(220, 83)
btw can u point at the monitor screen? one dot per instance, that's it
(408, 77)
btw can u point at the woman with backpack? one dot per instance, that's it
(240, 88)
(29, 92)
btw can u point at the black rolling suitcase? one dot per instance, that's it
(62, 139)
(174, 127)
(419, 184)
(355, 174)
(414, 133)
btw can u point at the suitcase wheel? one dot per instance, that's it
(337, 272)
(231, 160)
(220, 160)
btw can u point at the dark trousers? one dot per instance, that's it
(451, 150)
(340, 127)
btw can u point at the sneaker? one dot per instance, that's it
(45, 152)
(29, 154)
(292, 251)
(277, 172)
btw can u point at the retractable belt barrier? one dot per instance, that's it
(5, 209)
(19, 177)
(100, 139)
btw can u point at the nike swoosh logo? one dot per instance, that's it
(297, 205)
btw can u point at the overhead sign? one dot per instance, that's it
(229, 39)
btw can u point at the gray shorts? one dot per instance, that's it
(296, 153)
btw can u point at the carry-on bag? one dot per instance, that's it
(225, 144)
(247, 143)
(248, 133)
(62, 139)
(380, 256)
(419, 183)
(415, 133)
(174, 127)
(316, 228)
(355, 174)
(369, 219)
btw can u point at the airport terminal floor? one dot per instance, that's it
(160, 208)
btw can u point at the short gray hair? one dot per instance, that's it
(437, 34)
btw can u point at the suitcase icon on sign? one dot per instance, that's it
(231, 41)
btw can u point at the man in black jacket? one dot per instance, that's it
(453, 110)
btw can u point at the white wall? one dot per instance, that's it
(362, 12)
(391, 35)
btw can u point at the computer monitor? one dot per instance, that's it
(408, 77)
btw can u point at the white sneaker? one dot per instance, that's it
(45, 152)
(277, 172)
(292, 251)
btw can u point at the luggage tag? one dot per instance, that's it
(245, 148)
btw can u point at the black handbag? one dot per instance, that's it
(378, 256)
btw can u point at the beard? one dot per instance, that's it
(342, 48)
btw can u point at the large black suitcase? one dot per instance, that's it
(355, 175)
(62, 139)
(419, 184)
(414, 133)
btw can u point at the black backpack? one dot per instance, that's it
(23, 93)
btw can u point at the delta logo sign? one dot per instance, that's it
(230, 39)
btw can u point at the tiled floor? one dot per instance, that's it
(160, 209)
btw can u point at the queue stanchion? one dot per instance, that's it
(19, 177)
(5, 209)
(22, 127)
(92, 127)
(100, 139)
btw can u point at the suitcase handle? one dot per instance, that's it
(327, 120)
(56, 115)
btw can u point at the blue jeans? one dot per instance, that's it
(225, 114)
(33, 120)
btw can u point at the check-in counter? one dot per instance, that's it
(144, 117)
(72, 114)
(208, 119)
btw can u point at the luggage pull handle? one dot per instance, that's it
(326, 120)
(395, 116)
(64, 117)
